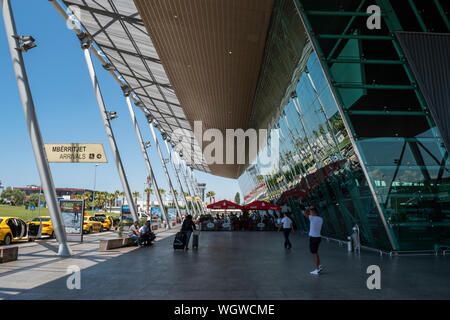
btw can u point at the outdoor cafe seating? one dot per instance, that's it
(229, 216)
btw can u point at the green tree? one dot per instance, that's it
(136, 195)
(122, 194)
(117, 194)
(237, 198)
(16, 196)
(87, 197)
(34, 199)
(111, 197)
(210, 195)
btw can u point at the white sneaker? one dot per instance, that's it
(315, 271)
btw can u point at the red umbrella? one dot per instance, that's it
(224, 205)
(261, 205)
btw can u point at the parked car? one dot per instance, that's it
(15, 229)
(107, 221)
(47, 226)
(92, 224)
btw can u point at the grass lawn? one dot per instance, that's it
(20, 212)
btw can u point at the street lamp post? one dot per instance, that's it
(93, 191)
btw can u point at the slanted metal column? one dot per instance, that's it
(180, 168)
(198, 191)
(176, 175)
(33, 129)
(146, 158)
(166, 172)
(85, 44)
(194, 201)
(199, 207)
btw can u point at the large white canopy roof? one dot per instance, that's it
(118, 31)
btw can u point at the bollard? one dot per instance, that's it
(349, 244)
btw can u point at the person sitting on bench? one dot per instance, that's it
(134, 233)
(146, 234)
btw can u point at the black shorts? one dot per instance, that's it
(314, 244)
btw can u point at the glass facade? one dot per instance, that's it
(317, 165)
(398, 194)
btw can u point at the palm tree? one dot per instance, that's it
(117, 194)
(87, 196)
(111, 197)
(136, 195)
(122, 194)
(210, 195)
(148, 191)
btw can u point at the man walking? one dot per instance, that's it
(286, 224)
(314, 236)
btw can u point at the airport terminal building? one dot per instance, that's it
(364, 122)
(354, 94)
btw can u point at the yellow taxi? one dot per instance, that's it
(92, 224)
(15, 229)
(47, 226)
(107, 221)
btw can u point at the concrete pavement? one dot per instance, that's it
(228, 265)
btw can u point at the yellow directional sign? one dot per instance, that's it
(75, 152)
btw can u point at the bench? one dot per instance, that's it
(8, 253)
(115, 243)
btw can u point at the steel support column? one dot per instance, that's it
(166, 172)
(176, 175)
(109, 132)
(190, 186)
(194, 186)
(146, 158)
(198, 190)
(33, 129)
(180, 168)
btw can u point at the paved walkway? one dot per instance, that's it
(228, 265)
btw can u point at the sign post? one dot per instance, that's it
(75, 152)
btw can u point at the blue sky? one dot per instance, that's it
(68, 112)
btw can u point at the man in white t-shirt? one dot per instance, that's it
(315, 227)
(287, 225)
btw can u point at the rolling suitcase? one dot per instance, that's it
(179, 241)
(195, 239)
